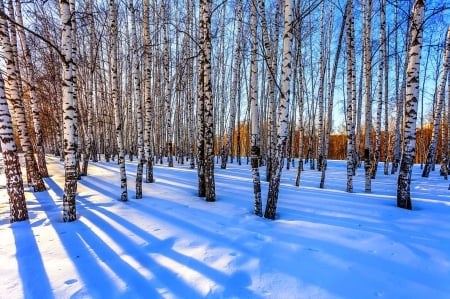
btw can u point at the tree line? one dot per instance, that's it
(211, 82)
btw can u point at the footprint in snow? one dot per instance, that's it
(71, 281)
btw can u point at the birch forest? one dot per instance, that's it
(279, 85)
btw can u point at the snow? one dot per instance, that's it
(324, 243)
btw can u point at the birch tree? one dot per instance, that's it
(14, 183)
(367, 33)
(236, 67)
(446, 143)
(431, 155)
(283, 114)
(270, 58)
(255, 148)
(386, 106)
(380, 84)
(148, 124)
(329, 122)
(138, 98)
(322, 68)
(167, 93)
(30, 79)
(13, 93)
(70, 126)
(412, 94)
(205, 127)
(113, 56)
(351, 92)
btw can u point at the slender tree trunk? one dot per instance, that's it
(148, 129)
(70, 126)
(322, 67)
(30, 79)
(116, 99)
(331, 98)
(271, 53)
(167, 93)
(75, 86)
(205, 64)
(14, 97)
(138, 98)
(234, 85)
(14, 183)
(190, 86)
(368, 89)
(255, 149)
(351, 92)
(444, 170)
(300, 115)
(432, 149)
(422, 146)
(447, 142)
(380, 80)
(283, 113)
(91, 149)
(386, 107)
(205, 130)
(400, 96)
(412, 94)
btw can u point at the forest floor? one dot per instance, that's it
(324, 243)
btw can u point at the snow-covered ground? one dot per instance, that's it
(172, 244)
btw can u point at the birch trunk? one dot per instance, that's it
(386, 107)
(322, 66)
(190, 87)
(271, 53)
(412, 94)
(205, 64)
(75, 86)
(30, 79)
(283, 114)
(367, 7)
(167, 93)
(255, 148)
(14, 183)
(380, 79)
(444, 137)
(331, 98)
(351, 92)
(70, 126)
(138, 98)
(446, 160)
(113, 56)
(236, 67)
(432, 149)
(148, 129)
(14, 97)
(300, 115)
(400, 96)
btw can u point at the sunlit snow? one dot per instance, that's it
(324, 243)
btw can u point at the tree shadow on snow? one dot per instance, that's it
(31, 267)
(166, 275)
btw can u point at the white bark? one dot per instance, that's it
(283, 114)
(70, 126)
(351, 92)
(432, 149)
(113, 56)
(254, 114)
(412, 94)
(14, 183)
(13, 91)
(380, 84)
(148, 124)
